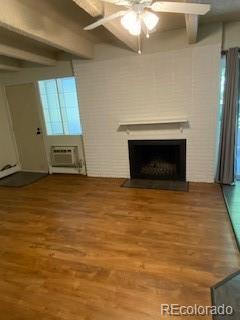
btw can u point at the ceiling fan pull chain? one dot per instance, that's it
(139, 44)
(145, 31)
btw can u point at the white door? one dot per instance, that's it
(27, 125)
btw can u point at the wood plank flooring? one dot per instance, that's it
(76, 248)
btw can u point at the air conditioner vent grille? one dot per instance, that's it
(64, 156)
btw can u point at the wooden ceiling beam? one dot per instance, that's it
(25, 54)
(9, 64)
(93, 7)
(192, 27)
(25, 18)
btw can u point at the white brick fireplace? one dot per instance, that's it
(179, 84)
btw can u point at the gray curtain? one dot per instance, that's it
(228, 136)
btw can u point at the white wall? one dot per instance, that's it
(162, 42)
(231, 34)
(33, 74)
(7, 144)
(62, 69)
(120, 86)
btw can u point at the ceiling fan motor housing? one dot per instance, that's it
(145, 2)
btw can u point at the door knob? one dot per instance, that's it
(39, 131)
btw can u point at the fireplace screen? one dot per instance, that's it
(158, 159)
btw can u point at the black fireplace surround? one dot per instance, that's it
(158, 159)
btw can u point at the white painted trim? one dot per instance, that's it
(64, 170)
(10, 123)
(42, 122)
(152, 121)
(9, 171)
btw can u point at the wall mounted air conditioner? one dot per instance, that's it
(64, 156)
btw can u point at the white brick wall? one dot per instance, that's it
(164, 84)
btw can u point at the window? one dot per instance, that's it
(60, 106)
(222, 89)
(223, 80)
(221, 102)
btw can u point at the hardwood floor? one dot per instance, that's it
(75, 248)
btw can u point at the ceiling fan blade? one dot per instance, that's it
(105, 19)
(118, 2)
(180, 7)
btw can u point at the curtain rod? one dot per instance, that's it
(225, 51)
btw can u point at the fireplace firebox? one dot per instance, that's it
(158, 159)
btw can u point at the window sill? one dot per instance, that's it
(63, 135)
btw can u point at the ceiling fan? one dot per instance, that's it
(138, 15)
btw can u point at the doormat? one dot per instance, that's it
(231, 195)
(21, 179)
(156, 184)
(227, 293)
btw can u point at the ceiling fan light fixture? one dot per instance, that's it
(150, 20)
(128, 21)
(136, 29)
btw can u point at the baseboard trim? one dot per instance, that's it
(37, 171)
(65, 170)
(9, 171)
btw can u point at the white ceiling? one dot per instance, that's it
(221, 11)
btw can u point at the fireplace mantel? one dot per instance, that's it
(156, 121)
